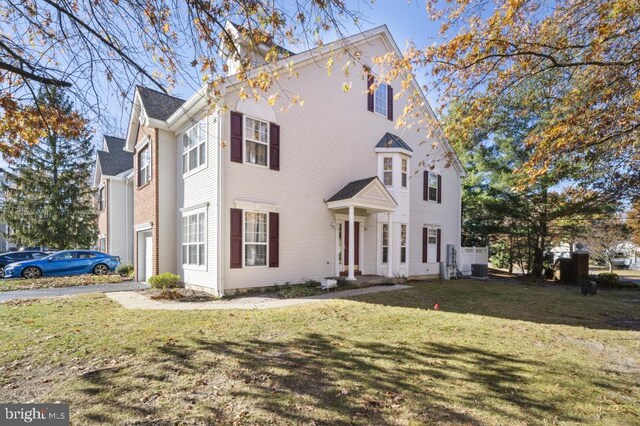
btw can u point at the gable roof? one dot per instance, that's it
(116, 160)
(393, 141)
(351, 189)
(158, 105)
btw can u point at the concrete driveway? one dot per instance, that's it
(71, 291)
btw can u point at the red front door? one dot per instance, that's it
(356, 226)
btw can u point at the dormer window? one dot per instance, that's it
(380, 100)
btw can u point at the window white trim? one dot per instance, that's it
(404, 168)
(245, 243)
(200, 264)
(432, 248)
(102, 197)
(256, 207)
(383, 245)
(387, 172)
(246, 138)
(382, 88)
(148, 167)
(143, 227)
(200, 206)
(403, 243)
(430, 186)
(200, 127)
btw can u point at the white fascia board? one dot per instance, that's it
(191, 107)
(394, 150)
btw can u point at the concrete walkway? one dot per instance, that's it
(133, 300)
(71, 291)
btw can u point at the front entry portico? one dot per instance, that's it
(368, 196)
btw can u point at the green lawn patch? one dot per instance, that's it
(52, 282)
(494, 353)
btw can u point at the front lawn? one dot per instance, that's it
(10, 284)
(494, 353)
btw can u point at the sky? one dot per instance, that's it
(407, 20)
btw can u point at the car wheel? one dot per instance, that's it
(101, 269)
(31, 272)
(1, 271)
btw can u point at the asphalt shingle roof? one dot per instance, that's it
(351, 189)
(157, 105)
(393, 141)
(116, 160)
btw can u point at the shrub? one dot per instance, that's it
(608, 279)
(164, 281)
(125, 270)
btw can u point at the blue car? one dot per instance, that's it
(67, 262)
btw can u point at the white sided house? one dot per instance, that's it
(252, 194)
(113, 181)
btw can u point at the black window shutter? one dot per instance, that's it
(274, 240)
(236, 137)
(369, 93)
(438, 237)
(425, 188)
(274, 146)
(425, 242)
(236, 238)
(439, 189)
(390, 102)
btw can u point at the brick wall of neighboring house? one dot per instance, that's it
(145, 198)
(103, 216)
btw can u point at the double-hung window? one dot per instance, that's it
(194, 147)
(144, 165)
(432, 241)
(255, 239)
(380, 99)
(256, 141)
(433, 187)
(102, 202)
(385, 243)
(403, 243)
(193, 239)
(387, 171)
(404, 172)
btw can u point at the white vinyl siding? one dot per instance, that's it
(256, 141)
(194, 239)
(194, 147)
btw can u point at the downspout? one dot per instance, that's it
(220, 207)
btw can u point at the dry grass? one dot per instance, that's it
(52, 282)
(495, 353)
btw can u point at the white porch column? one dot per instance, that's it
(390, 244)
(352, 244)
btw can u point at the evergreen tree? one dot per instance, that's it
(48, 199)
(520, 221)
